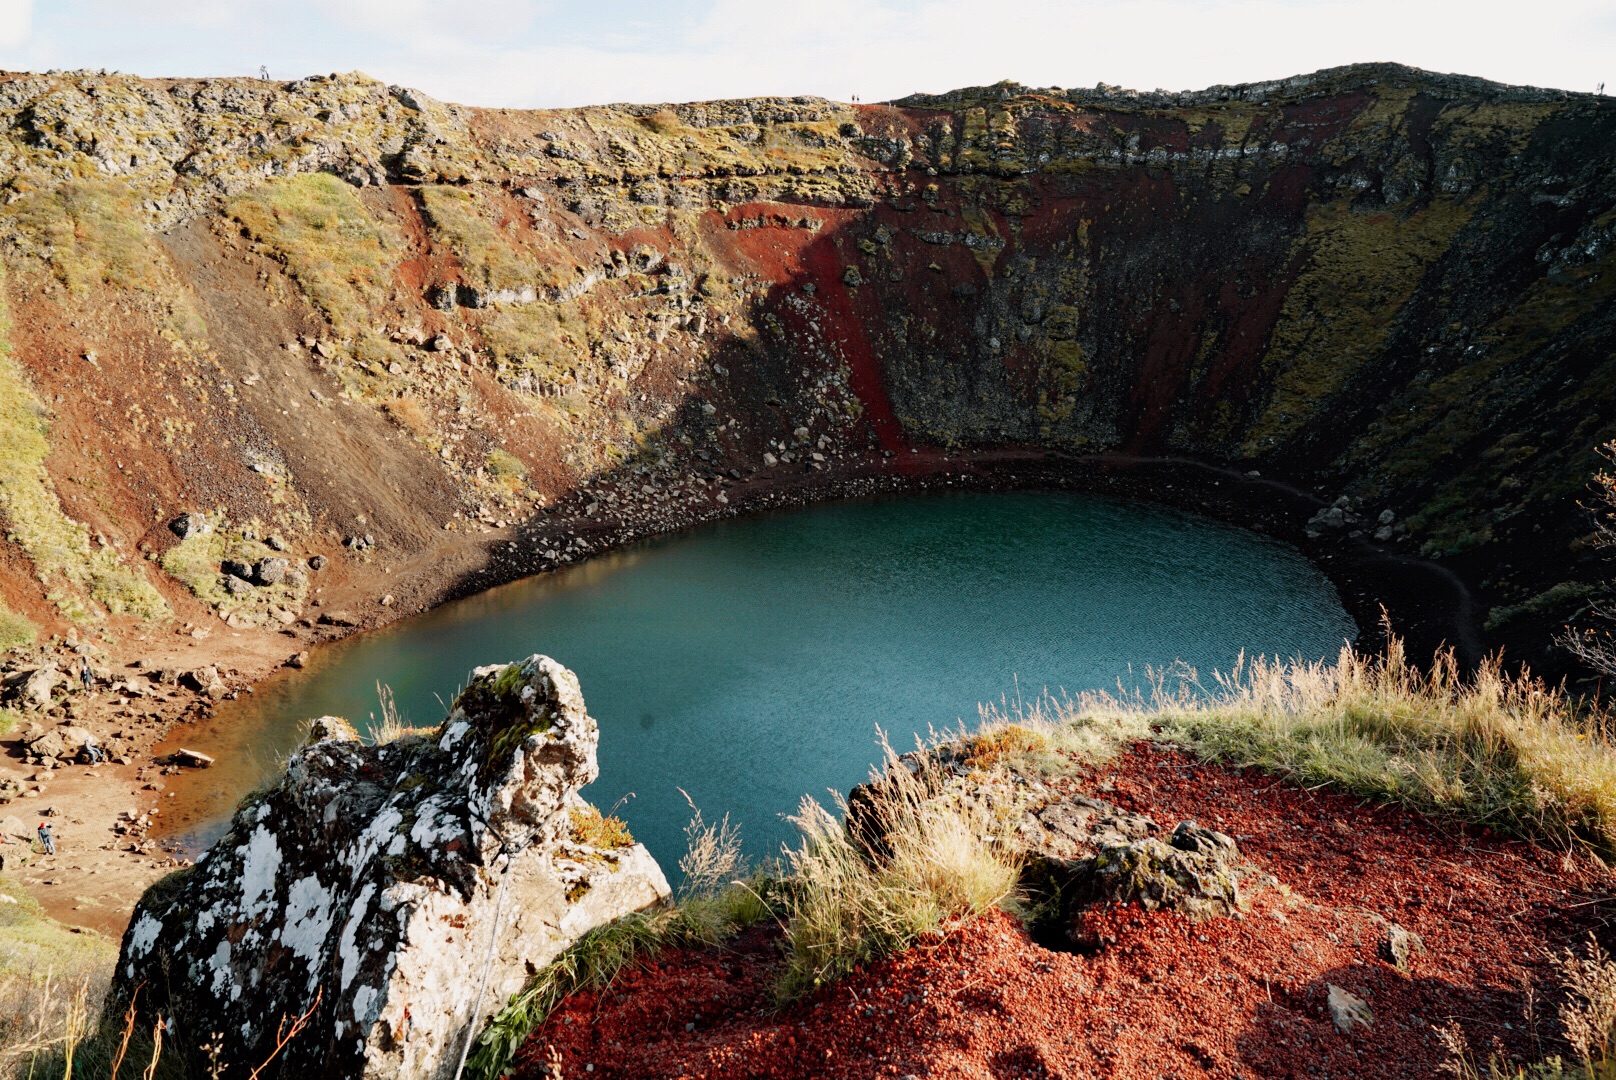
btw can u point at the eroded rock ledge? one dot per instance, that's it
(372, 875)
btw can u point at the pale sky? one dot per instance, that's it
(526, 53)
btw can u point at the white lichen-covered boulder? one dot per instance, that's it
(371, 876)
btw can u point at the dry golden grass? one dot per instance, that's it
(51, 984)
(393, 727)
(340, 257)
(1491, 749)
(412, 416)
(940, 860)
(89, 232)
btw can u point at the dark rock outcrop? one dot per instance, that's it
(374, 883)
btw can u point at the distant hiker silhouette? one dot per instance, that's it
(46, 841)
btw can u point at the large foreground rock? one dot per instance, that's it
(371, 876)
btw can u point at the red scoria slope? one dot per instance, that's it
(1163, 997)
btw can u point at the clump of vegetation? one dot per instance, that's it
(489, 259)
(196, 563)
(15, 630)
(1587, 1020)
(412, 416)
(1596, 645)
(52, 980)
(941, 860)
(507, 470)
(392, 726)
(597, 830)
(544, 340)
(89, 233)
(339, 256)
(1000, 742)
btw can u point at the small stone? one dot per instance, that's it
(317, 562)
(298, 660)
(1348, 1010)
(188, 525)
(387, 601)
(1399, 946)
(270, 571)
(770, 461)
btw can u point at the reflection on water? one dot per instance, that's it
(751, 662)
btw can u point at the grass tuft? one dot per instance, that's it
(943, 860)
(316, 225)
(52, 980)
(16, 631)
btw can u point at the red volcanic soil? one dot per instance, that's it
(1163, 997)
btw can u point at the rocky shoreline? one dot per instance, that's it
(115, 840)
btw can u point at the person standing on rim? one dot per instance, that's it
(46, 841)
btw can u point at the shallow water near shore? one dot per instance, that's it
(750, 662)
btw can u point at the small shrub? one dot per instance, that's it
(1002, 744)
(411, 415)
(16, 631)
(597, 830)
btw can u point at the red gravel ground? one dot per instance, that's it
(1163, 997)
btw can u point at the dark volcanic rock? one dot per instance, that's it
(380, 877)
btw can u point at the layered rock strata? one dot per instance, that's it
(402, 892)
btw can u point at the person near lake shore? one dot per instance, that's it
(46, 841)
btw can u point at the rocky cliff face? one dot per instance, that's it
(332, 311)
(412, 886)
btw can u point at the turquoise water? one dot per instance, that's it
(751, 662)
